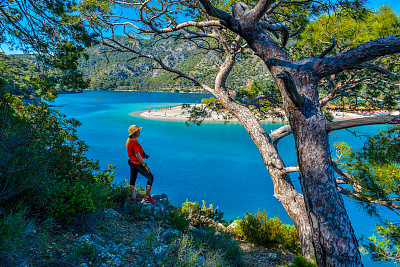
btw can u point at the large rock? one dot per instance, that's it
(158, 209)
(170, 233)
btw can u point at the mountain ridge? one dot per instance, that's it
(122, 71)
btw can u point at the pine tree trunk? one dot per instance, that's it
(332, 234)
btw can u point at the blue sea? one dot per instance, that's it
(216, 162)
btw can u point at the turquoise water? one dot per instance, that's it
(215, 162)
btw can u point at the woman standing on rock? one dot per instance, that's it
(137, 164)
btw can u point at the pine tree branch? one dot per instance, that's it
(336, 63)
(389, 204)
(259, 10)
(226, 19)
(345, 124)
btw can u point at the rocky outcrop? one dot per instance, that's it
(158, 209)
(155, 210)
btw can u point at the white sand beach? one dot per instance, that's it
(177, 113)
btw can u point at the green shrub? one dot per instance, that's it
(118, 195)
(147, 245)
(69, 201)
(187, 250)
(301, 261)
(140, 192)
(178, 219)
(182, 252)
(206, 248)
(47, 156)
(261, 230)
(220, 243)
(201, 216)
(215, 259)
(82, 253)
(13, 232)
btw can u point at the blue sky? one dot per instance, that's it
(374, 4)
(395, 4)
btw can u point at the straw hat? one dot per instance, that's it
(133, 129)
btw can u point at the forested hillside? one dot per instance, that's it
(18, 74)
(22, 75)
(122, 71)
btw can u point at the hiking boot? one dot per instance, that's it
(136, 199)
(150, 199)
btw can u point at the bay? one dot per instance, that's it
(216, 162)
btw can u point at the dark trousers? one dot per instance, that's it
(138, 168)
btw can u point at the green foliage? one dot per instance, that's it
(374, 173)
(196, 114)
(149, 243)
(385, 246)
(301, 261)
(178, 219)
(203, 215)
(53, 32)
(118, 72)
(216, 249)
(182, 252)
(13, 231)
(119, 195)
(69, 201)
(42, 159)
(219, 242)
(259, 229)
(349, 31)
(83, 252)
(379, 92)
(250, 91)
(263, 107)
(209, 100)
(17, 75)
(135, 212)
(375, 168)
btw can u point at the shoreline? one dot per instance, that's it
(176, 113)
(144, 91)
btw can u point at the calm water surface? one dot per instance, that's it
(215, 162)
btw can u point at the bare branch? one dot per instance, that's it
(279, 133)
(332, 92)
(260, 9)
(226, 19)
(346, 176)
(348, 60)
(286, 130)
(189, 24)
(376, 68)
(291, 169)
(290, 87)
(224, 71)
(295, 33)
(329, 49)
(344, 124)
(277, 27)
(392, 206)
(257, 98)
